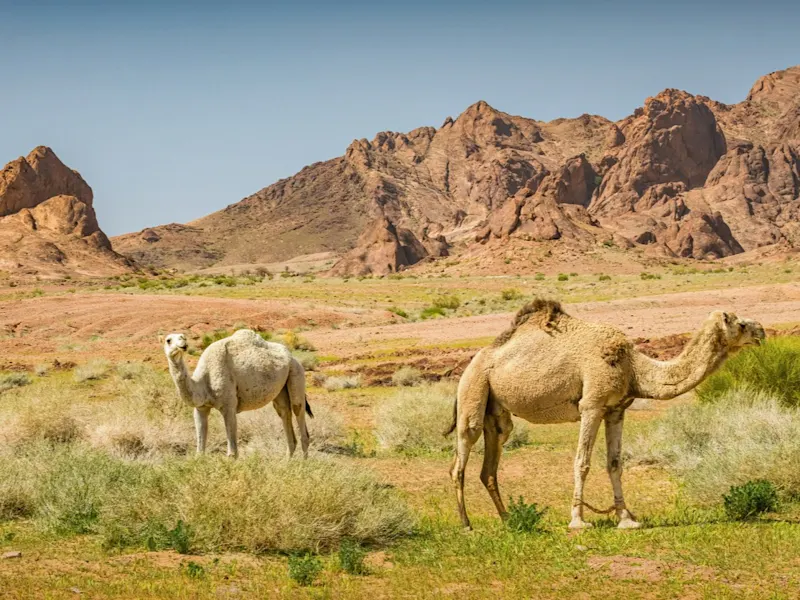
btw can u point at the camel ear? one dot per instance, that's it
(729, 317)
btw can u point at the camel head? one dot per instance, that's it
(175, 345)
(738, 333)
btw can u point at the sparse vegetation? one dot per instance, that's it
(308, 360)
(398, 311)
(304, 568)
(510, 294)
(745, 435)
(563, 277)
(644, 275)
(604, 277)
(406, 376)
(348, 382)
(773, 368)
(431, 312)
(447, 301)
(351, 558)
(13, 380)
(91, 371)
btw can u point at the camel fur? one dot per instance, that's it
(550, 367)
(239, 373)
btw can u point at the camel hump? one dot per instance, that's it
(542, 312)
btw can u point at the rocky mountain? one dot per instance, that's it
(47, 223)
(683, 176)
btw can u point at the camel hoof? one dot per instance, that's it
(579, 524)
(628, 524)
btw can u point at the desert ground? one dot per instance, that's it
(86, 348)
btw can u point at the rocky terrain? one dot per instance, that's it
(48, 226)
(683, 176)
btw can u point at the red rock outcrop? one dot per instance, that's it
(47, 223)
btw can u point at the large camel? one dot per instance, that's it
(552, 368)
(238, 373)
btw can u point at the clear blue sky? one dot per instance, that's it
(173, 110)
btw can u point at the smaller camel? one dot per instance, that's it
(550, 367)
(239, 373)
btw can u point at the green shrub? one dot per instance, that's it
(431, 312)
(447, 301)
(523, 517)
(604, 277)
(13, 380)
(304, 568)
(194, 570)
(744, 502)
(398, 311)
(351, 558)
(563, 277)
(773, 368)
(539, 277)
(510, 294)
(645, 275)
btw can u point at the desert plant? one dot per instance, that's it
(563, 277)
(130, 370)
(91, 371)
(431, 312)
(344, 382)
(41, 370)
(510, 294)
(747, 501)
(308, 360)
(406, 376)
(645, 275)
(523, 517)
(304, 568)
(744, 435)
(447, 301)
(604, 277)
(13, 380)
(773, 367)
(539, 277)
(398, 311)
(294, 341)
(411, 421)
(351, 558)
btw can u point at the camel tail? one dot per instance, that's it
(452, 426)
(308, 409)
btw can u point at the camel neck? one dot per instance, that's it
(704, 353)
(183, 381)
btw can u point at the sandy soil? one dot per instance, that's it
(648, 317)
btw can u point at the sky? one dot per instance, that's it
(172, 110)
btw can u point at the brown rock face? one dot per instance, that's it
(47, 223)
(682, 176)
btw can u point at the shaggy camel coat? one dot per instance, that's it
(552, 368)
(239, 373)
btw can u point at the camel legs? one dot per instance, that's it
(590, 423)
(614, 422)
(496, 429)
(201, 428)
(473, 392)
(229, 416)
(284, 409)
(296, 386)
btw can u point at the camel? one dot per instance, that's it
(549, 367)
(239, 373)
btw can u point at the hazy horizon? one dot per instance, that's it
(171, 111)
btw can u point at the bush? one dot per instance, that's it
(308, 360)
(645, 275)
(304, 568)
(744, 502)
(13, 380)
(131, 370)
(524, 518)
(41, 370)
(563, 277)
(511, 294)
(206, 504)
(745, 435)
(351, 558)
(294, 341)
(773, 368)
(412, 420)
(398, 311)
(406, 376)
(604, 277)
(334, 384)
(539, 277)
(445, 301)
(93, 370)
(431, 312)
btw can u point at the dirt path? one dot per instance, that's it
(650, 316)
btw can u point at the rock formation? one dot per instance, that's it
(682, 176)
(47, 223)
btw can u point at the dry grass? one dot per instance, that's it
(406, 377)
(745, 435)
(413, 419)
(344, 382)
(10, 381)
(93, 370)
